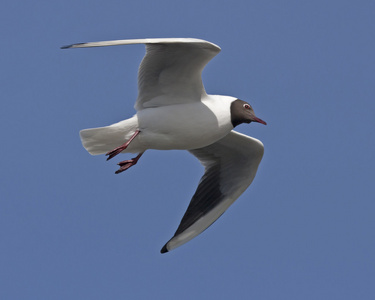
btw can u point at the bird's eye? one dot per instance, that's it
(246, 106)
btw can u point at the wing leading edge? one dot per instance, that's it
(170, 72)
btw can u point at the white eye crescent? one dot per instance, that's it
(246, 106)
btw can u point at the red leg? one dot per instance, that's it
(126, 164)
(118, 150)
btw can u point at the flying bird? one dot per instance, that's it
(175, 112)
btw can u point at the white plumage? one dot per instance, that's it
(175, 112)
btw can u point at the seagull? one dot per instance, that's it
(173, 111)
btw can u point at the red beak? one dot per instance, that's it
(255, 119)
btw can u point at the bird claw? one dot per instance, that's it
(114, 152)
(119, 149)
(126, 164)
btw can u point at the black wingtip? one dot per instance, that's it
(71, 46)
(66, 47)
(164, 249)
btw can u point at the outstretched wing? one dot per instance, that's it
(230, 167)
(170, 72)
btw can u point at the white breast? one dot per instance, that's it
(185, 126)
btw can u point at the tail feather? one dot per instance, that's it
(104, 139)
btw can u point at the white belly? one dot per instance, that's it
(187, 126)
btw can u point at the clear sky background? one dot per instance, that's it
(72, 229)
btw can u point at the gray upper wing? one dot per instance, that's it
(170, 72)
(230, 167)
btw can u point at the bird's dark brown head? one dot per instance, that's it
(242, 112)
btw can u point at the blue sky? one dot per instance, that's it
(72, 229)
